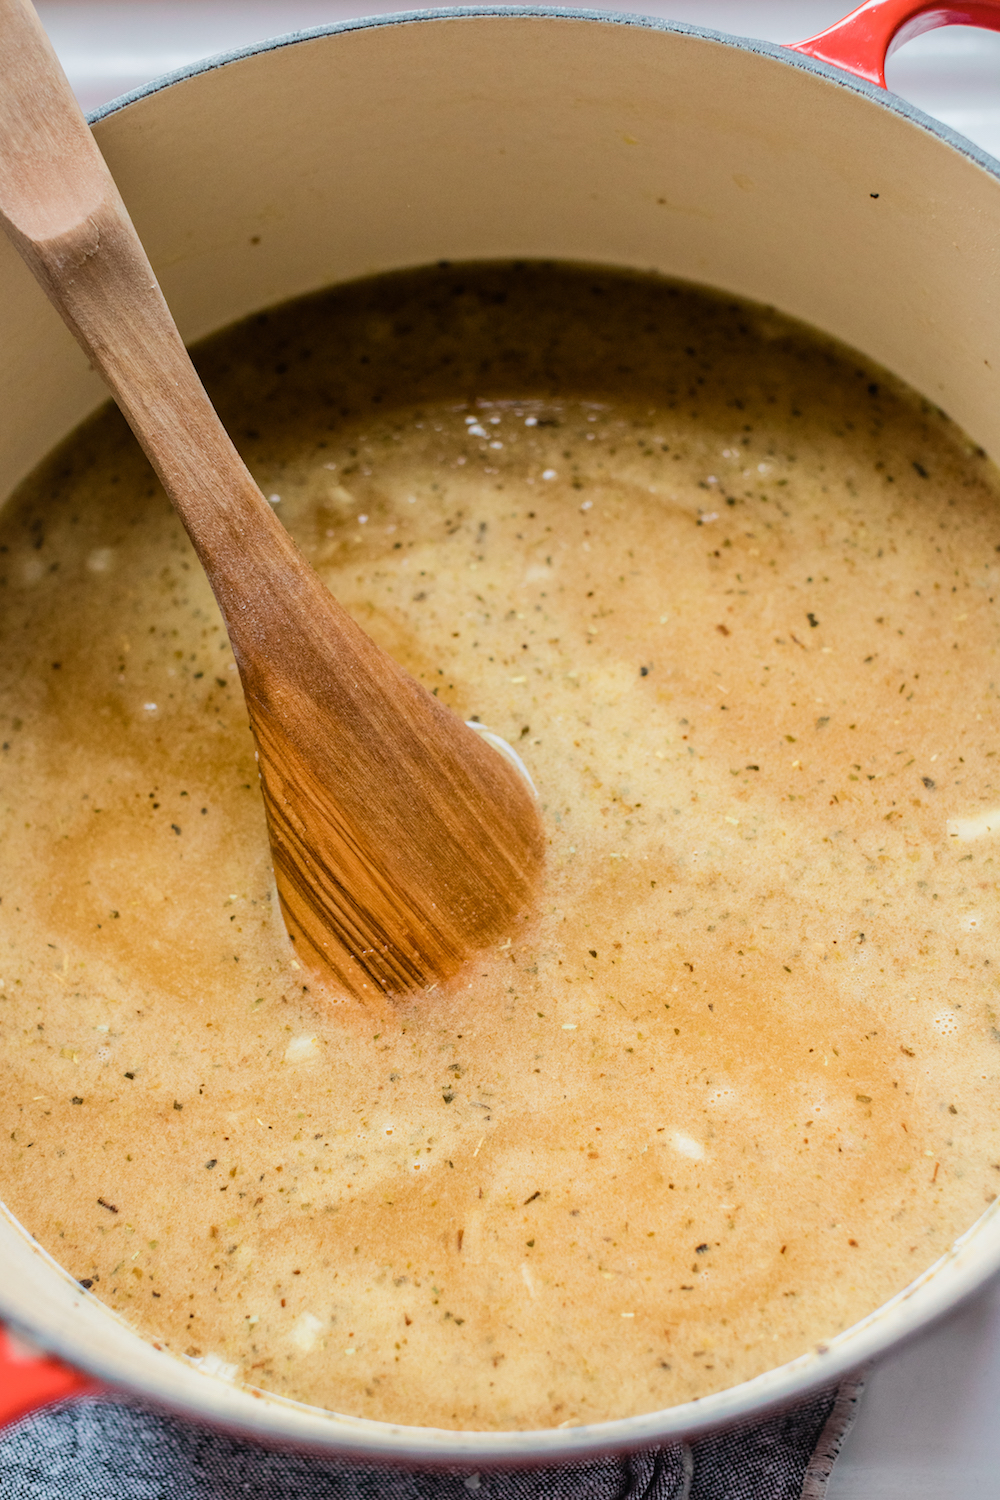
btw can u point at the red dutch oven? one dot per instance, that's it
(786, 175)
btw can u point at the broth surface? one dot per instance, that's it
(733, 595)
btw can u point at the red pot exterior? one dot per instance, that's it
(29, 1380)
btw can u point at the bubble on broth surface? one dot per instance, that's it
(687, 1145)
(301, 1049)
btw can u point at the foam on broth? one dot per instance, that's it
(733, 595)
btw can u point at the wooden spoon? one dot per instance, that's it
(402, 842)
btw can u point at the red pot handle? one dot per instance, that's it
(862, 41)
(29, 1380)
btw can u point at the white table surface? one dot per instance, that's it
(929, 1427)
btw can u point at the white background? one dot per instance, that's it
(929, 1427)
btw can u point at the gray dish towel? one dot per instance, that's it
(101, 1450)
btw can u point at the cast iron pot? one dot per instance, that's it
(785, 175)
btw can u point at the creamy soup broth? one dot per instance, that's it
(733, 594)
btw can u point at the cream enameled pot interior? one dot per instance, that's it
(468, 136)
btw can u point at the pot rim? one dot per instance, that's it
(777, 51)
(969, 1263)
(275, 1421)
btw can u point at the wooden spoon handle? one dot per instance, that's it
(401, 841)
(60, 205)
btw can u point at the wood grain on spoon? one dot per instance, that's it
(401, 841)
